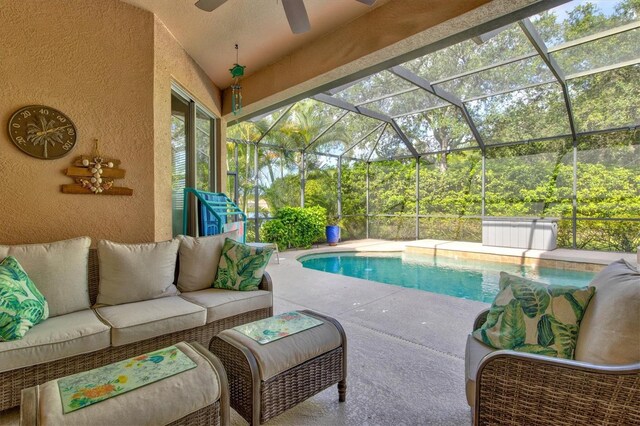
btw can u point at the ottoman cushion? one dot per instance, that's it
(133, 322)
(280, 355)
(157, 403)
(56, 338)
(221, 303)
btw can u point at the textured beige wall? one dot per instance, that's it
(94, 62)
(172, 63)
(108, 66)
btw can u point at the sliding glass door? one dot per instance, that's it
(204, 145)
(192, 155)
(179, 136)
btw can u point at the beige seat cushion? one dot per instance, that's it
(283, 354)
(56, 338)
(135, 272)
(199, 258)
(226, 303)
(59, 271)
(158, 403)
(474, 354)
(610, 330)
(137, 321)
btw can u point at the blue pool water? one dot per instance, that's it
(467, 279)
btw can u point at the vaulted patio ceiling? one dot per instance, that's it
(346, 38)
(259, 27)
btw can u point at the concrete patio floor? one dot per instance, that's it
(405, 346)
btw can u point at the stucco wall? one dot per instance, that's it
(172, 63)
(108, 66)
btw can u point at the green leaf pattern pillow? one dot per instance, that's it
(533, 317)
(21, 304)
(241, 266)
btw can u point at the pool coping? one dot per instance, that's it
(534, 262)
(568, 259)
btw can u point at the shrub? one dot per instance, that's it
(295, 227)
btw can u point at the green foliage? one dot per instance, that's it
(295, 227)
(321, 189)
(533, 300)
(513, 331)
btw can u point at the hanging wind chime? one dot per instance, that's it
(236, 94)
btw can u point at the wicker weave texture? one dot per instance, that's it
(281, 392)
(207, 416)
(287, 390)
(238, 374)
(517, 391)
(93, 276)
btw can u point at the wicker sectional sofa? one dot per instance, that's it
(85, 339)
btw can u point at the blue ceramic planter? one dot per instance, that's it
(333, 234)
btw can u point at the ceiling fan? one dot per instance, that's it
(294, 9)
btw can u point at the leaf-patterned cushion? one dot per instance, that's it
(21, 304)
(528, 316)
(241, 266)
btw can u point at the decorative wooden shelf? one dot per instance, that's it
(84, 172)
(79, 189)
(95, 175)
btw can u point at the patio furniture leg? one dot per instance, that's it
(342, 390)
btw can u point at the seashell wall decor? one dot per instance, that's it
(95, 174)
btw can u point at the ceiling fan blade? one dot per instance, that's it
(296, 15)
(367, 2)
(209, 5)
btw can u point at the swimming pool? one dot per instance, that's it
(467, 279)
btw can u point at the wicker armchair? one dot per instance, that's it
(519, 388)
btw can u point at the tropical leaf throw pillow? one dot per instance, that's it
(21, 304)
(528, 316)
(241, 266)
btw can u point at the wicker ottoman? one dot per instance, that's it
(198, 396)
(266, 380)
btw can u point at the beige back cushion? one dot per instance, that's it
(199, 258)
(59, 271)
(610, 329)
(135, 272)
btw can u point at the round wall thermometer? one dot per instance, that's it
(42, 132)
